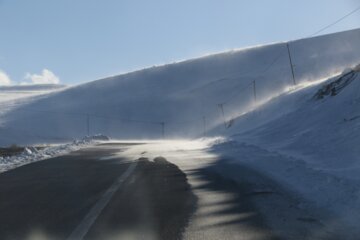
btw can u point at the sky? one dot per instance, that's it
(75, 41)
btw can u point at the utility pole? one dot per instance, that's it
(291, 63)
(254, 88)
(88, 124)
(163, 129)
(221, 105)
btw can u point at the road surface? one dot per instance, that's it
(111, 191)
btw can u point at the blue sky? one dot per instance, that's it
(83, 40)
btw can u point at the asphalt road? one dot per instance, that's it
(97, 193)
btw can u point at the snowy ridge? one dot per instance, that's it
(181, 99)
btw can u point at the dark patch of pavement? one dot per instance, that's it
(49, 199)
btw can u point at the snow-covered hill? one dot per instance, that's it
(307, 139)
(320, 123)
(304, 136)
(14, 92)
(180, 99)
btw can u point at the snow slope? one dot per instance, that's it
(8, 93)
(307, 139)
(324, 131)
(175, 98)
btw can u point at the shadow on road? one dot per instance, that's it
(49, 199)
(233, 210)
(255, 201)
(156, 203)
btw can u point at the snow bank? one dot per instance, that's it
(32, 154)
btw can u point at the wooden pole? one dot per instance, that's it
(221, 105)
(291, 64)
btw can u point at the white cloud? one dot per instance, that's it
(4, 79)
(46, 77)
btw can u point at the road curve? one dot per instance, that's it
(97, 193)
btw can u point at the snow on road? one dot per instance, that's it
(283, 189)
(32, 154)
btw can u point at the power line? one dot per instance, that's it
(221, 105)
(125, 119)
(271, 64)
(87, 115)
(242, 89)
(268, 67)
(337, 21)
(29, 134)
(264, 70)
